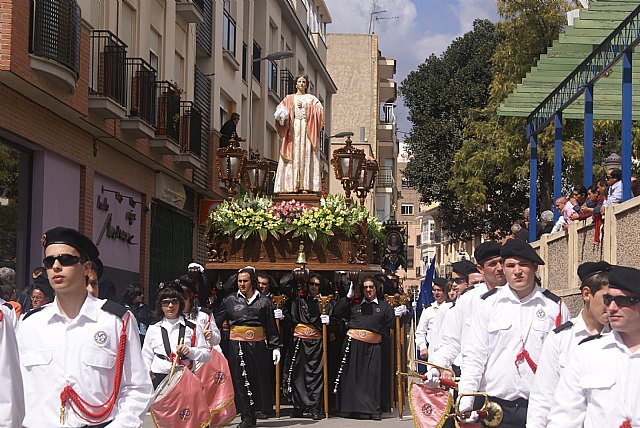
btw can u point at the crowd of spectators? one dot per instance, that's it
(581, 204)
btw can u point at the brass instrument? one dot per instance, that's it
(490, 413)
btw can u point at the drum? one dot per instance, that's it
(179, 402)
(217, 386)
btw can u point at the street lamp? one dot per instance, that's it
(348, 162)
(274, 56)
(367, 179)
(230, 161)
(256, 173)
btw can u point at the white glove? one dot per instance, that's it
(324, 319)
(277, 314)
(276, 356)
(432, 379)
(473, 418)
(414, 305)
(466, 406)
(350, 292)
(400, 310)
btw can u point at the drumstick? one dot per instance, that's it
(175, 360)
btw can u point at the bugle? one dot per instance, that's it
(490, 413)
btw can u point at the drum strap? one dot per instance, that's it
(167, 346)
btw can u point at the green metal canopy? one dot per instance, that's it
(589, 30)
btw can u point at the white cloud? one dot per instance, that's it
(403, 38)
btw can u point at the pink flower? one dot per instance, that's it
(277, 216)
(288, 220)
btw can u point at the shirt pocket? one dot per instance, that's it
(498, 325)
(37, 364)
(98, 369)
(598, 387)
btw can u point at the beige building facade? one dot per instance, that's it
(364, 105)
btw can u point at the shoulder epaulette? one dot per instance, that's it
(114, 308)
(8, 305)
(189, 324)
(467, 289)
(32, 311)
(549, 295)
(205, 310)
(563, 327)
(489, 293)
(587, 339)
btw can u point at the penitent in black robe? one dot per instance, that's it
(358, 383)
(302, 377)
(248, 361)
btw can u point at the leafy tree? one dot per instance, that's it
(439, 95)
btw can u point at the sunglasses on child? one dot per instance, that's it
(63, 259)
(167, 302)
(621, 301)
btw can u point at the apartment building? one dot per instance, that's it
(364, 105)
(407, 212)
(110, 118)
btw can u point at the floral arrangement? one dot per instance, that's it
(248, 215)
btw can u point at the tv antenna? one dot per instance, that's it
(373, 18)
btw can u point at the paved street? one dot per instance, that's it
(388, 421)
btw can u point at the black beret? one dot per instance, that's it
(487, 250)
(464, 267)
(625, 278)
(588, 269)
(521, 250)
(98, 267)
(441, 282)
(73, 238)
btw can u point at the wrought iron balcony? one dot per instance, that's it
(55, 31)
(287, 85)
(387, 115)
(190, 129)
(273, 76)
(385, 177)
(108, 71)
(168, 117)
(142, 87)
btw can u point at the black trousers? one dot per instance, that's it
(515, 412)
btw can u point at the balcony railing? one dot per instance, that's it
(385, 177)
(387, 114)
(142, 87)
(228, 33)
(190, 129)
(287, 85)
(55, 32)
(108, 68)
(273, 76)
(168, 117)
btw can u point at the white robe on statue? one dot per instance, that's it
(299, 164)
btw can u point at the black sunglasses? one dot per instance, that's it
(459, 280)
(63, 259)
(167, 302)
(621, 301)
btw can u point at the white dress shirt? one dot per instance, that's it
(556, 353)
(203, 319)
(456, 327)
(614, 195)
(599, 388)
(12, 397)
(11, 313)
(55, 352)
(424, 330)
(435, 335)
(502, 324)
(153, 345)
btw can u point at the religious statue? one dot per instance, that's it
(299, 119)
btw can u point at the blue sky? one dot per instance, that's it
(422, 28)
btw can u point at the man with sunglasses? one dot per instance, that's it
(599, 388)
(80, 356)
(508, 328)
(562, 344)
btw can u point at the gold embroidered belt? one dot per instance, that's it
(364, 335)
(245, 333)
(306, 331)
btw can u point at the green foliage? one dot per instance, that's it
(246, 216)
(438, 96)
